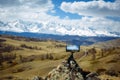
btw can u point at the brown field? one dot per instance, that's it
(24, 59)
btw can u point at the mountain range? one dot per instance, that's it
(69, 39)
(54, 27)
(56, 31)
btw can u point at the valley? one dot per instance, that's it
(23, 58)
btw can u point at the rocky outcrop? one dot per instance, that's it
(64, 72)
(69, 70)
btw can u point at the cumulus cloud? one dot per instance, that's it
(26, 3)
(92, 8)
(9, 3)
(24, 9)
(36, 11)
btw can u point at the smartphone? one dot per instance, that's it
(72, 48)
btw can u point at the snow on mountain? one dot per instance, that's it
(53, 28)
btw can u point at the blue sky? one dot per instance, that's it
(69, 16)
(61, 13)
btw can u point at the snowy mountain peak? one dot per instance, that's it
(54, 28)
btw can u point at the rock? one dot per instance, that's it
(37, 78)
(67, 70)
(92, 76)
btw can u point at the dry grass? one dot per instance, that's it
(108, 66)
(37, 62)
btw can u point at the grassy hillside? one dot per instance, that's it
(20, 57)
(23, 58)
(106, 61)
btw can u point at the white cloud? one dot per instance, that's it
(93, 8)
(36, 11)
(27, 9)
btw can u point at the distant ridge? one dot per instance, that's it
(108, 44)
(69, 39)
